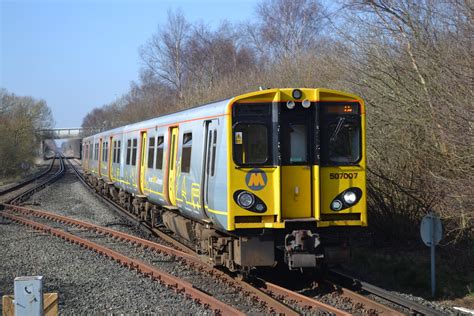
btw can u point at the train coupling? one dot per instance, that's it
(302, 249)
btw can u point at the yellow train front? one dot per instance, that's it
(297, 168)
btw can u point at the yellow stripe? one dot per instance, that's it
(151, 191)
(215, 212)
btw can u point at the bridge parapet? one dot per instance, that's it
(64, 133)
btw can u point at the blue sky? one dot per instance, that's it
(81, 54)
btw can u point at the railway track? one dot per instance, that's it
(23, 190)
(280, 299)
(87, 236)
(408, 306)
(81, 233)
(275, 299)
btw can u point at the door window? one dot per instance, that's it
(298, 143)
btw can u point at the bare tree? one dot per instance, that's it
(287, 28)
(163, 53)
(412, 62)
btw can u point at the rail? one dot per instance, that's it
(28, 181)
(340, 277)
(269, 296)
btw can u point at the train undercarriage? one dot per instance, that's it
(297, 246)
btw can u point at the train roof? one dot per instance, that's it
(202, 110)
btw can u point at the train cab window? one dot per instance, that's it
(214, 151)
(250, 144)
(134, 152)
(129, 151)
(186, 154)
(159, 152)
(151, 152)
(343, 144)
(341, 135)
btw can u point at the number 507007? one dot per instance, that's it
(343, 175)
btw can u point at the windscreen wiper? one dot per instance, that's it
(337, 129)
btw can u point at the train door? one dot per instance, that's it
(99, 158)
(173, 148)
(295, 140)
(143, 163)
(209, 161)
(111, 156)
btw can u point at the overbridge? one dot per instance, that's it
(65, 133)
(64, 140)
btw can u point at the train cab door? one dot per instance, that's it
(296, 173)
(172, 152)
(143, 163)
(209, 161)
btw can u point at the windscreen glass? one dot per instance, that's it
(250, 144)
(341, 135)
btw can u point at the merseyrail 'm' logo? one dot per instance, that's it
(256, 179)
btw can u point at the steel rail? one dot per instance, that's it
(386, 295)
(28, 181)
(180, 286)
(26, 194)
(129, 217)
(263, 295)
(368, 304)
(272, 304)
(302, 300)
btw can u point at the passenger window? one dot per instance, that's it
(159, 152)
(151, 152)
(129, 150)
(134, 152)
(214, 151)
(186, 153)
(250, 144)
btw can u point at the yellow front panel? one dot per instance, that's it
(296, 191)
(335, 180)
(265, 184)
(316, 193)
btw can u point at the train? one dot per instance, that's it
(250, 181)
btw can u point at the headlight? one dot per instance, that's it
(349, 197)
(297, 94)
(290, 104)
(306, 104)
(336, 205)
(245, 199)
